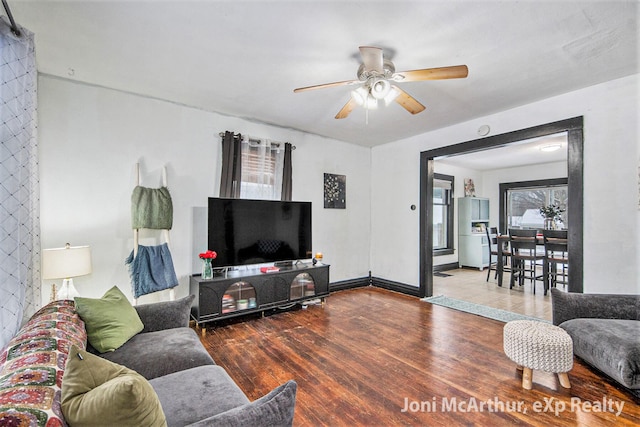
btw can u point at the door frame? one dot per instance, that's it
(575, 171)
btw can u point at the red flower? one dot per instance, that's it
(208, 255)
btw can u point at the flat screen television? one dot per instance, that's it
(246, 232)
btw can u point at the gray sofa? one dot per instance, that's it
(605, 329)
(191, 388)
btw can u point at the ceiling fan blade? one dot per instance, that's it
(372, 58)
(454, 72)
(325, 85)
(407, 101)
(347, 109)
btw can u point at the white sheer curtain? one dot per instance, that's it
(262, 166)
(19, 194)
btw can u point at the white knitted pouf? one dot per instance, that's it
(540, 346)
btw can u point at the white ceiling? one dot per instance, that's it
(244, 58)
(521, 153)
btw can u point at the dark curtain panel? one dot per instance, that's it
(231, 166)
(286, 174)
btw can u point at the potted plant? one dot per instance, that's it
(551, 214)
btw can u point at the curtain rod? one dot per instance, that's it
(221, 134)
(14, 27)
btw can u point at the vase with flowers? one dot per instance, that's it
(551, 214)
(207, 268)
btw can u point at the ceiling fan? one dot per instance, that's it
(376, 74)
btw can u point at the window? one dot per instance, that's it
(262, 164)
(443, 214)
(524, 200)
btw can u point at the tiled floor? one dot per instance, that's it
(471, 285)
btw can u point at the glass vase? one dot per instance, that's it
(207, 269)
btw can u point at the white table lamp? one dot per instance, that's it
(66, 263)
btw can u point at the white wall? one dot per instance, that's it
(492, 179)
(91, 138)
(611, 158)
(459, 174)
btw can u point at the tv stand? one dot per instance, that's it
(235, 293)
(283, 264)
(221, 271)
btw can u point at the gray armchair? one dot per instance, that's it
(567, 306)
(605, 329)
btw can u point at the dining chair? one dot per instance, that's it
(496, 249)
(525, 259)
(556, 257)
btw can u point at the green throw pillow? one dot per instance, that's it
(110, 321)
(97, 392)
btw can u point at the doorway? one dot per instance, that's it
(574, 129)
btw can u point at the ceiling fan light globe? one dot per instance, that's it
(380, 88)
(360, 95)
(391, 96)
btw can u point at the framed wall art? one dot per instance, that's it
(469, 188)
(335, 191)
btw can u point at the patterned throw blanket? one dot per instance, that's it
(151, 270)
(32, 366)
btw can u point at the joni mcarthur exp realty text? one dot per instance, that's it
(548, 404)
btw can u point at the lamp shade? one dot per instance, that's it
(67, 262)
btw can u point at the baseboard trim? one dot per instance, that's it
(360, 282)
(395, 286)
(445, 267)
(349, 284)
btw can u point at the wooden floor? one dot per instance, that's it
(367, 353)
(471, 285)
